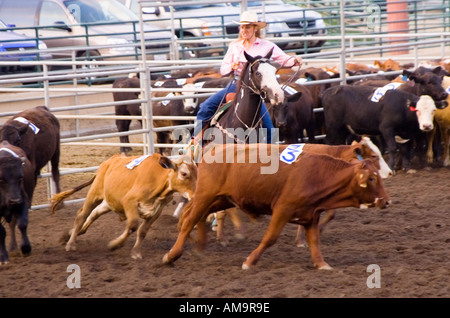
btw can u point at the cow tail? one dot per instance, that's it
(59, 197)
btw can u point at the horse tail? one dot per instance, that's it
(59, 197)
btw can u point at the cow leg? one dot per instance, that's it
(300, 237)
(55, 169)
(189, 218)
(80, 219)
(406, 156)
(313, 237)
(180, 207)
(130, 206)
(4, 259)
(430, 139)
(220, 218)
(12, 230)
(234, 216)
(445, 139)
(145, 226)
(329, 215)
(271, 235)
(101, 209)
(391, 146)
(122, 126)
(22, 224)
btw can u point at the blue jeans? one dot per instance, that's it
(209, 107)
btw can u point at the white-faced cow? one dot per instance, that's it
(297, 192)
(133, 187)
(36, 131)
(17, 182)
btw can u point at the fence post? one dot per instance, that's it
(397, 17)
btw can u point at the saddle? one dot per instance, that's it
(223, 108)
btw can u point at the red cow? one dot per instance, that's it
(295, 192)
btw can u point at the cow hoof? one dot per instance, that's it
(166, 259)
(136, 256)
(4, 263)
(303, 245)
(71, 247)
(26, 250)
(410, 171)
(326, 267)
(239, 236)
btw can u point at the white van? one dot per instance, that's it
(105, 25)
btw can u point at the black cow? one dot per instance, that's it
(17, 182)
(299, 115)
(397, 114)
(176, 107)
(37, 132)
(424, 81)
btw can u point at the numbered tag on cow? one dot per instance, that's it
(136, 161)
(379, 92)
(291, 153)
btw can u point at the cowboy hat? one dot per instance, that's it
(251, 17)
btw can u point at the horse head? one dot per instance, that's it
(262, 76)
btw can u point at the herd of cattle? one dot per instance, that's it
(405, 115)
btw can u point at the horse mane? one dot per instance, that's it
(241, 77)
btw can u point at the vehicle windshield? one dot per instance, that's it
(197, 6)
(259, 3)
(86, 11)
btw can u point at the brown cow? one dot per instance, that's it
(364, 149)
(296, 192)
(133, 187)
(16, 194)
(442, 118)
(36, 131)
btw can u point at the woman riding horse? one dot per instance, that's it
(249, 41)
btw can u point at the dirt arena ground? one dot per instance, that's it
(409, 242)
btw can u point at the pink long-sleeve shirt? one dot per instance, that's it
(260, 47)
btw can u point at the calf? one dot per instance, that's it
(133, 187)
(17, 182)
(36, 131)
(297, 192)
(299, 115)
(349, 109)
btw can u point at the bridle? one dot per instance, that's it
(254, 88)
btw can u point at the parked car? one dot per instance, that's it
(16, 47)
(200, 20)
(285, 20)
(106, 25)
(191, 21)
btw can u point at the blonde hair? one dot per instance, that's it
(257, 32)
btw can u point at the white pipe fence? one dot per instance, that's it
(48, 94)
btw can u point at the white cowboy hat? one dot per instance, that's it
(251, 17)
